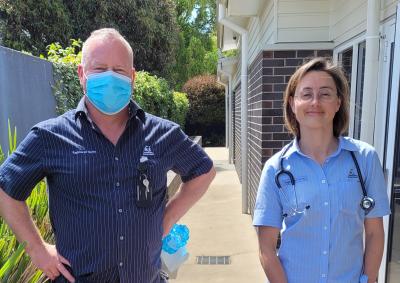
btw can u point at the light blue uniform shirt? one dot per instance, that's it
(325, 242)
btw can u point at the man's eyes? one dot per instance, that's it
(99, 69)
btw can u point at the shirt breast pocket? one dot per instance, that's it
(349, 197)
(157, 175)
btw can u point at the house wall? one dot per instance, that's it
(255, 122)
(388, 8)
(237, 131)
(349, 18)
(302, 21)
(261, 30)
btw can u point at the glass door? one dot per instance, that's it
(391, 159)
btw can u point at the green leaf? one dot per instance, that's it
(35, 277)
(10, 264)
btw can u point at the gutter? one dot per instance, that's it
(371, 71)
(243, 93)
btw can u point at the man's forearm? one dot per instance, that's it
(16, 215)
(189, 193)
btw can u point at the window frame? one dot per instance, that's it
(354, 44)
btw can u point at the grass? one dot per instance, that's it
(15, 264)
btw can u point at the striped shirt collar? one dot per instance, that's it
(134, 110)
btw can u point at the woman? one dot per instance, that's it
(312, 189)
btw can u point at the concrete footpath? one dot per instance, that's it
(219, 230)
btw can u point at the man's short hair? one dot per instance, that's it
(319, 64)
(103, 35)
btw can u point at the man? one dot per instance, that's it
(105, 163)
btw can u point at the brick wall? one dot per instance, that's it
(256, 107)
(236, 131)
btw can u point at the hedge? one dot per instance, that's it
(206, 115)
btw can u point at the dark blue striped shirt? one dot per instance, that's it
(92, 187)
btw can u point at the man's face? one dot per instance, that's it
(108, 55)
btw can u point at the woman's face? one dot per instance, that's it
(315, 101)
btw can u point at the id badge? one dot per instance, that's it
(144, 194)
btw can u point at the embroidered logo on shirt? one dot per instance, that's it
(352, 174)
(147, 151)
(84, 152)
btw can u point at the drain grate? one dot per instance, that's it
(213, 260)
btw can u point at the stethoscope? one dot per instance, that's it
(367, 203)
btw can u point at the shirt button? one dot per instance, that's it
(120, 210)
(323, 181)
(116, 158)
(325, 227)
(121, 263)
(324, 252)
(323, 275)
(117, 184)
(121, 238)
(326, 203)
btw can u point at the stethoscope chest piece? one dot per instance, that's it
(367, 204)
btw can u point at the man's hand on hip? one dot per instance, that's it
(47, 259)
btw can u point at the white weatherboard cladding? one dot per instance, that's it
(261, 31)
(302, 21)
(349, 18)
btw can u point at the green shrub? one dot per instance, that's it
(206, 115)
(154, 96)
(180, 108)
(67, 89)
(1, 155)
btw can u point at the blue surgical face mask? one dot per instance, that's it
(108, 91)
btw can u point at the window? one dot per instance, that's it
(359, 90)
(346, 60)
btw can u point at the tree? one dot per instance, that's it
(197, 48)
(150, 26)
(31, 25)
